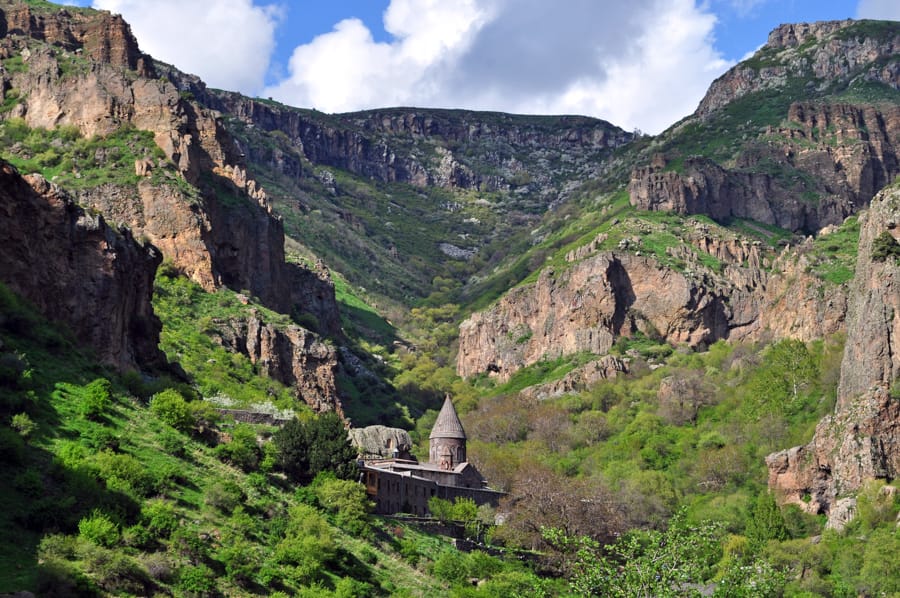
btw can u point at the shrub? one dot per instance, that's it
(197, 580)
(22, 424)
(160, 517)
(349, 503)
(95, 398)
(158, 566)
(242, 451)
(29, 483)
(170, 407)
(321, 444)
(885, 246)
(241, 560)
(224, 496)
(98, 529)
(12, 448)
(123, 472)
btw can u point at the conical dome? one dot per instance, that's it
(448, 424)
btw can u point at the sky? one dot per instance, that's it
(640, 64)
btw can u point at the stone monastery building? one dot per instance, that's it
(401, 484)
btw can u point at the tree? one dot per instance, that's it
(642, 563)
(320, 444)
(786, 373)
(766, 522)
(171, 408)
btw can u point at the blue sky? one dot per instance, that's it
(639, 64)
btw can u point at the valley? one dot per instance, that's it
(682, 340)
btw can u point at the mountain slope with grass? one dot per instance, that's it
(633, 330)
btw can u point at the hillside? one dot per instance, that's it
(634, 329)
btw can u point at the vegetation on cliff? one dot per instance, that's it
(649, 478)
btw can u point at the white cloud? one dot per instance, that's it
(888, 10)
(346, 69)
(228, 42)
(645, 63)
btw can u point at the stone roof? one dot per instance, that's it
(448, 424)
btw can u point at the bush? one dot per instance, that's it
(98, 529)
(124, 473)
(885, 247)
(12, 447)
(197, 580)
(349, 503)
(242, 450)
(95, 398)
(170, 407)
(224, 496)
(321, 444)
(22, 424)
(160, 517)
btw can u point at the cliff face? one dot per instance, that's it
(443, 148)
(198, 205)
(801, 135)
(608, 294)
(825, 50)
(861, 440)
(291, 355)
(90, 74)
(104, 37)
(77, 270)
(825, 165)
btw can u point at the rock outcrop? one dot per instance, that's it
(444, 148)
(91, 75)
(826, 165)
(807, 151)
(375, 442)
(579, 379)
(290, 354)
(606, 294)
(584, 309)
(79, 271)
(102, 36)
(861, 440)
(826, 50)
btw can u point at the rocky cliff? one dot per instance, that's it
(291, 355)
(824, 164)
(79, 271)
(104, 37)
(444, 148)
(825, 50)
(88, 73)
(861, 440)
(605, 294)
(813, 129)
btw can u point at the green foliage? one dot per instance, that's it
(766, 522)
(784, 381)
(885, 247)
(171, 408)
(834, 255)
(349, 504)
(99, 529)
(22, 424)
(321, 444)
(190, 315)
(650, 563)
(308, 544)
(242, 450)
(197, 580)
(95, 398)
(75, 162)
(224, 495)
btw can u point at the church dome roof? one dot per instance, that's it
(447, 424)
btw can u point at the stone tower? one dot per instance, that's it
(447, 442)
